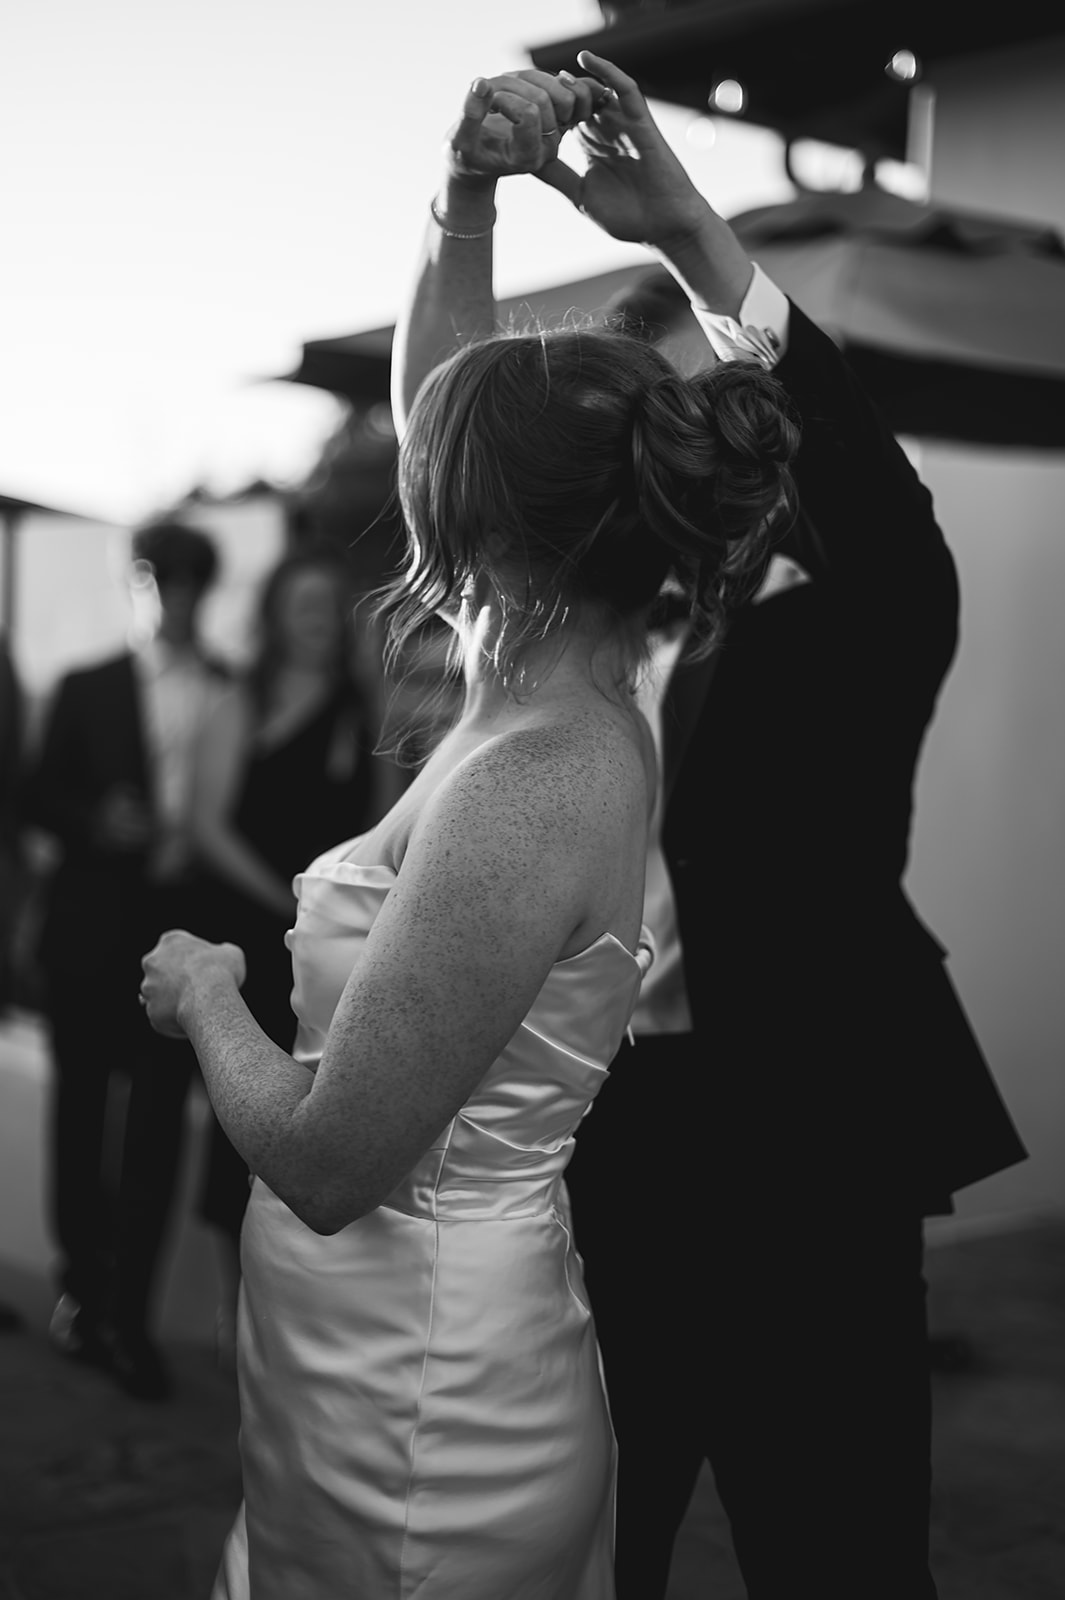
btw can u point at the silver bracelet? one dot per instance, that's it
(452, 233)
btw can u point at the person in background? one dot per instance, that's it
(111, 784)
(11, 731)
(804, 1086)
(12, 725)
(284, 768)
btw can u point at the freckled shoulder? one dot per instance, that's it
(566, 776)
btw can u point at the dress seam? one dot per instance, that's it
(563, 1049)
(412, 1449)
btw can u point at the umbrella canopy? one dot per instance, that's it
(354, 366)
(357, 365)
(954, 321)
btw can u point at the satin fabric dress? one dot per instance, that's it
(423, 1416)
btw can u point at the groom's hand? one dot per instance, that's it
(635, 187)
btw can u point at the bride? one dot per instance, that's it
(422, 1408)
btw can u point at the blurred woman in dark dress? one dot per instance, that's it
(285, 769)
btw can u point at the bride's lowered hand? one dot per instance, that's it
(180, 964)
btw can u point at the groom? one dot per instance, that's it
(804, 1088)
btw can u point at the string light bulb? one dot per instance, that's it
(728, 96)
(903, 66)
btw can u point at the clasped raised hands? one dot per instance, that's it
(514, 123)
(635, 188)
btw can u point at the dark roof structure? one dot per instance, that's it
(809, 68)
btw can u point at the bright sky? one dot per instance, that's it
(190, 191)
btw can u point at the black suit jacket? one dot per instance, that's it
(97, 904)
(837, 1051)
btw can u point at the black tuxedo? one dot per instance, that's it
(788, 831)
(831, 1091)
(102, 912)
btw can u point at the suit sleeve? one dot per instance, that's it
(58, 797)
(868, 526)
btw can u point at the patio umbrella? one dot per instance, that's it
(954, 321)
(353, 365)
(357, 365)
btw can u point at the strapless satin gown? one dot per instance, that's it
(423, 1416)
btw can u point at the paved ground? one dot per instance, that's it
(102, 1498)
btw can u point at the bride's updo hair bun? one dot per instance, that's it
(711, 476)
(575, 468)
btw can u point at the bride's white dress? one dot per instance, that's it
(423, 1415)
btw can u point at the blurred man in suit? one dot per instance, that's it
(111, 784)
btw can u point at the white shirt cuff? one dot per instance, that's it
(761, 331)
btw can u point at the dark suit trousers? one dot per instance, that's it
(162, 1072)
(97, 1028)
(758, 1323)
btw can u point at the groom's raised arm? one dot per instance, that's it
(874, 517)
(868, 521)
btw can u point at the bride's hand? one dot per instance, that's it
(171, 969)
(513, 123)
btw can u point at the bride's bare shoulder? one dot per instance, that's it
(560, 775)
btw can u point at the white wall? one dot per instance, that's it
(988, 869)
(71, 606)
